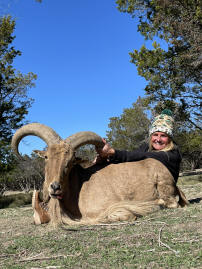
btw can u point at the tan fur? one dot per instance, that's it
(40, 214)
(109, 193)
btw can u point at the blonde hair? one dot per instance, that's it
(169, 146)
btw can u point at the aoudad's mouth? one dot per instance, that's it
(56, 196)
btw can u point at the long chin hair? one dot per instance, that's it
(55, 212)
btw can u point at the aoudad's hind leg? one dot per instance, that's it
(167, 195)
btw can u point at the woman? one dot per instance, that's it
(160, 146)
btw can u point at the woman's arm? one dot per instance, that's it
(113, 155)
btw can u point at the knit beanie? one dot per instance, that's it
(163, 123)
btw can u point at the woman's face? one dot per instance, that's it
(159, 140)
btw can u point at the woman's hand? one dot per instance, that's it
(104, 153)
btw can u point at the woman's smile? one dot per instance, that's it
(159, 140)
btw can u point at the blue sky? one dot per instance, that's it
(80, 53)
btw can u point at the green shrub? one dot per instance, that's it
(15, 200)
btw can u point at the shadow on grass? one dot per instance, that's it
(196, 200)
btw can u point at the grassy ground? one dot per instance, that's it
(166, 239)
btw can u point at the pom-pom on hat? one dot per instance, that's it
(163, 123)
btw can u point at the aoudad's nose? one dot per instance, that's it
(55, 186)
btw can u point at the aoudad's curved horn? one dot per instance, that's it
(82, 138)
(46, 133)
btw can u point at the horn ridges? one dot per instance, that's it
(46, 133)
(82, 138)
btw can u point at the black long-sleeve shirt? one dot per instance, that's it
(171, 159)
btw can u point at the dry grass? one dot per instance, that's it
(166, 239)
